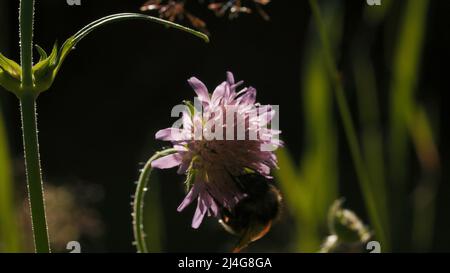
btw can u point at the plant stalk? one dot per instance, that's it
(138, 204)
(29, 129)
(26, 41)
(34, 177)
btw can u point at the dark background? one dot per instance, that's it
(97, 122)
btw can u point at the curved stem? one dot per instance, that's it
(138, 204)
(377, 216)
(70, 43)
(134, 16)
(34, 177)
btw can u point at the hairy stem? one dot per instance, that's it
(26, 41)
(34, 177)
(138, 205)
(29, 129)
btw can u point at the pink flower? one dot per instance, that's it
(212, 152)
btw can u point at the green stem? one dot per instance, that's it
(29, 128)
(34, 177)
(350, 132)
(26, 41)
(138, 205)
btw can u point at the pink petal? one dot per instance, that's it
(190, 197)
(249, 97)
(210, 203)
(218, 93)
(200, 89)
(199, 214)
(230, 78)
(167, 162)
(231, 81)
(187, 121)
(172, 134)
(266, 118)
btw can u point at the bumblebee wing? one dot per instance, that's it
(252, 233)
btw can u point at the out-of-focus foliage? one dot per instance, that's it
(409, 126)
(71, 216)
(317, 175)
(409, 123)
(9, 233)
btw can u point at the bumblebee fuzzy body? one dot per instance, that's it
(253, 216)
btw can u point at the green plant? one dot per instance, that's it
(27, 81)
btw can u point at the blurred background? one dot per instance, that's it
(97, 122)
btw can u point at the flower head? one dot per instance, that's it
(176, 10)
(230, 136)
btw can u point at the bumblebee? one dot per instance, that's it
(254, 215)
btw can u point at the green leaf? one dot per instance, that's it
(10, 74)
(290, 181)
(46, 63)
(190, 107)
(190, 179)
(42, 53)
(10, 66)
